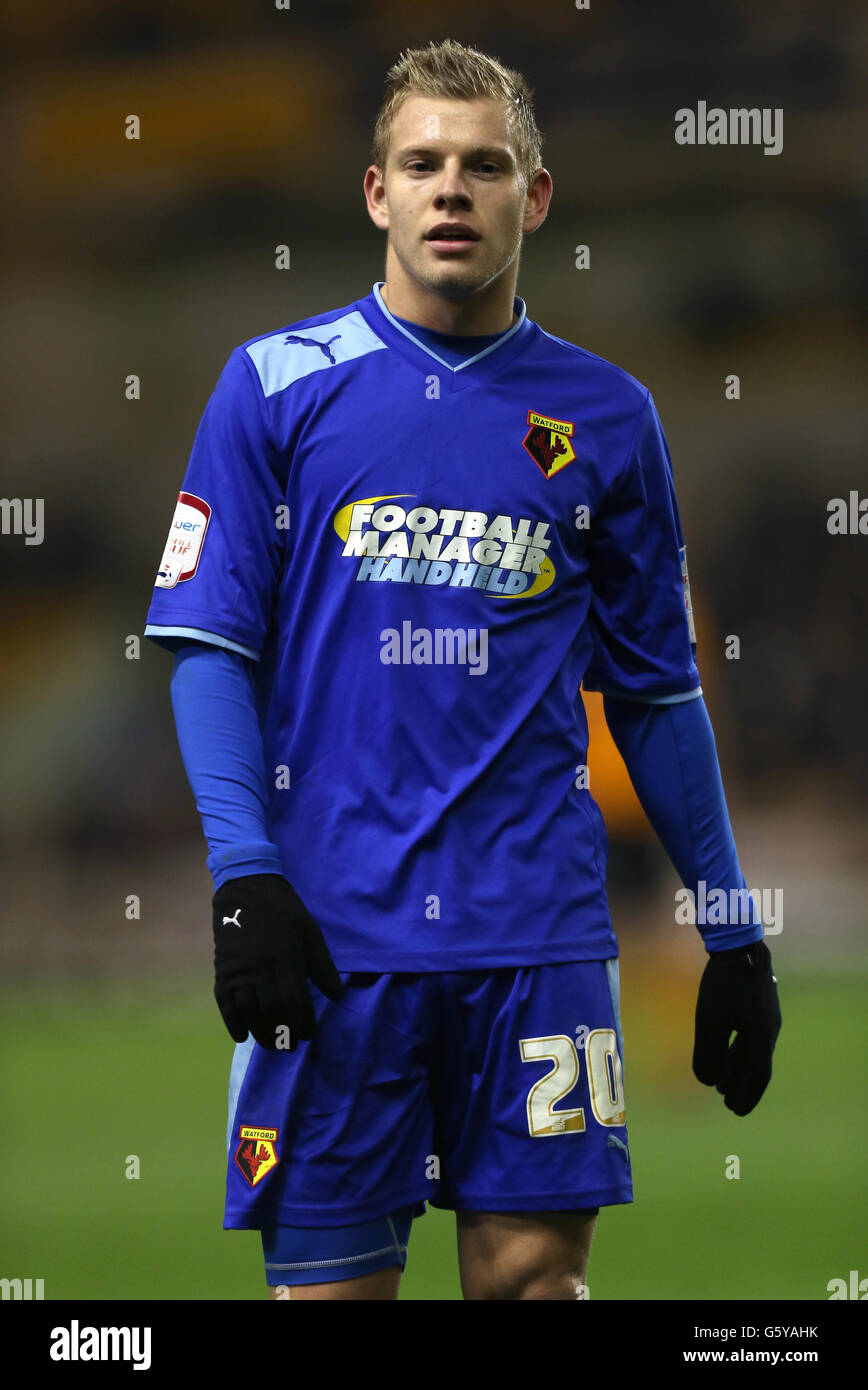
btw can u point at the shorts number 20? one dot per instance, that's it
(605, 1082)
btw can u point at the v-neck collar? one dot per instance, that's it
(488, 359)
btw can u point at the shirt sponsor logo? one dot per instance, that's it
(448, 546)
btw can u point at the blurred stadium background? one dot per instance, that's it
(156, 257)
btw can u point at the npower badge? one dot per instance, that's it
(185, 540)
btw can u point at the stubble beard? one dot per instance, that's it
(457, 281)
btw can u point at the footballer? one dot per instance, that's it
(409, 530)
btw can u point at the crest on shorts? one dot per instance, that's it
(549, 442)
(256, 1154)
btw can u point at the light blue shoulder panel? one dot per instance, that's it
(288, 356)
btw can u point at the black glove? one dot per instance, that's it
(266, 946)
(738, 992)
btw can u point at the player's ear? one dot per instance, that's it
(539, 195)
(375, 197)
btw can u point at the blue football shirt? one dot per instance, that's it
(425, 560)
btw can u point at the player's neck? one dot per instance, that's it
(491, 311)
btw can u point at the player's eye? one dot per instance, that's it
(418, 166)
(488, 167)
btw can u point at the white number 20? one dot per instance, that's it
(605, 1082)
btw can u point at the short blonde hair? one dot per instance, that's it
(449, 69)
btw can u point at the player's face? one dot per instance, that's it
(452, 198)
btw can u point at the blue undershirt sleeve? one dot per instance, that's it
(670, 754)
(221, 746)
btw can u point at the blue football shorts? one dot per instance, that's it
(486, 1090)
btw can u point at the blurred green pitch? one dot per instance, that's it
(91, 1078)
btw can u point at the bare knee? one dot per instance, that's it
(527, 1258)
(528, 1272)
(564, 1286)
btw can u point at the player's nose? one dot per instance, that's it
(452, 189)
(451, 196)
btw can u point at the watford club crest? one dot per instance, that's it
(256, 1154)
(549, 442)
